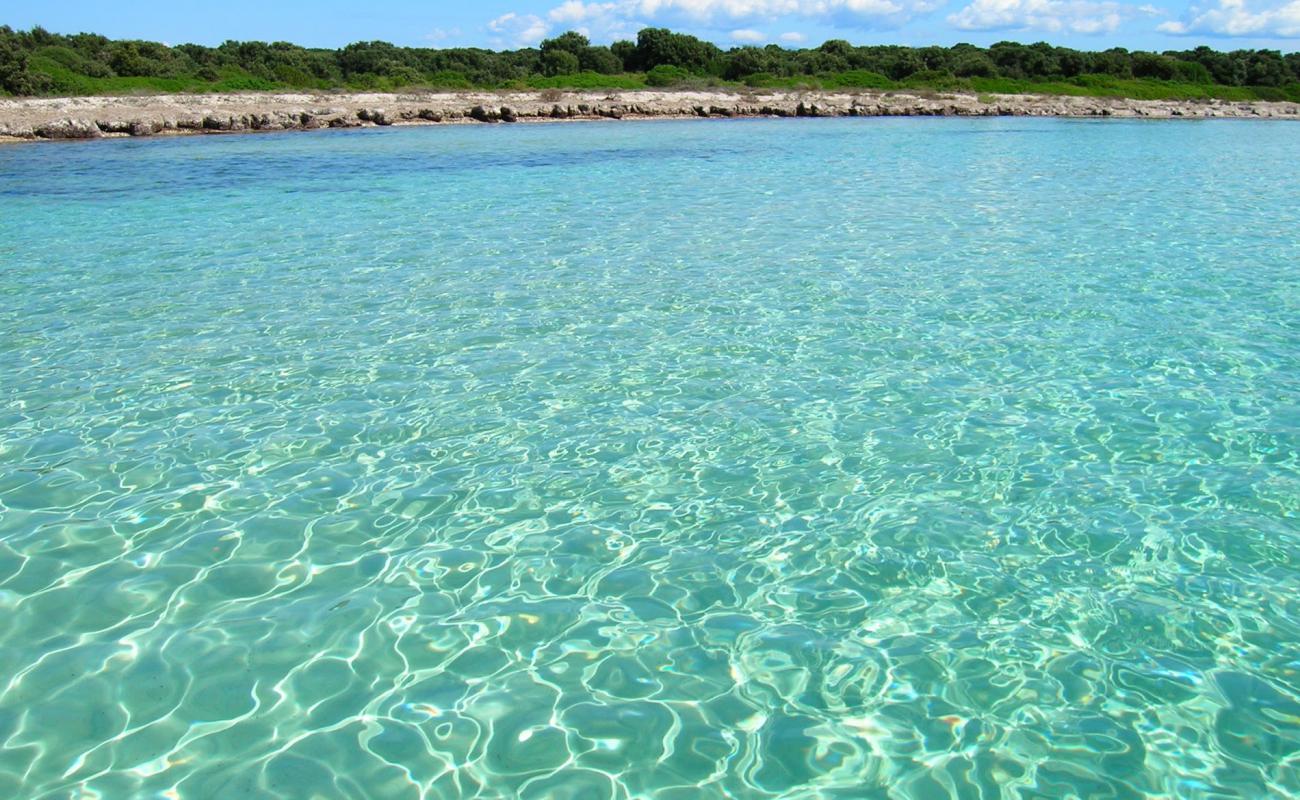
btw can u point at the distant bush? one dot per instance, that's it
(857, 79)
(935, 79)
(974, 65)
(665, 75)
(1192, 72)
(449, 79)
(585, 80)
(244, 83)
(559, 62)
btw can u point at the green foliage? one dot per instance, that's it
(935, 79)
(571, 52)
(600, 59)
(449, 79)
(625, 52)
(559, 62)
(37, 62)
(974, 65)
(14, 75)
(747, 61)
(570, 42)
(586, 80)
(656, 47)
(857, 79)
(1150, 65)
(666, 75)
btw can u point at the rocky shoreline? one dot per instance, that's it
(26, 119)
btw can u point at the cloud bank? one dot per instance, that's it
(1239, 18)
(622, 18)
(1052, 16)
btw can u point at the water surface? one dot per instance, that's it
(801, 458)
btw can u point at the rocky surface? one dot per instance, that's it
(94, 117)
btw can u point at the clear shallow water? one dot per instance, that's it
(851, 458)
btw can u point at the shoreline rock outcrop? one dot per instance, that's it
(100, 117)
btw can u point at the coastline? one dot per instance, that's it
(61, 118)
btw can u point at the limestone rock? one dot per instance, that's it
(70, 129)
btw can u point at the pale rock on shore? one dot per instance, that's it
(94, 117)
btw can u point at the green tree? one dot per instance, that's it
(974, 65)
(126, 59)
(570, 41)
(625, 51)
(1072, 62)
(1192, 72)
(666, 75)
(1115, 61)
(559, 62)
(836, 47)
(1150, 65)
(600, 59)
(361, 58)
(661, 47)
(1266, 68)
(14, 78)
(745, 61)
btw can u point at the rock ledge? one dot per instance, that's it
(95, 117)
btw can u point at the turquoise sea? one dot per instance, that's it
(855, 458)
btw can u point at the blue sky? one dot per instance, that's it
(1087, 24)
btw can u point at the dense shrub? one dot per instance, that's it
(40, 62)
(666, 75)
(661, 47)
(14, 78)
(857, 79)
(559, 62)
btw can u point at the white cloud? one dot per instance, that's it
(602, 22)
(1055, 16)
(441, 34)
(1240, 18)
(518, 29)
(793, 37)
(748, 35)
(576, 11)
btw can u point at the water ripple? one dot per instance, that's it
(816, 458)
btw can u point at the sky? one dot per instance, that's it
(1085, 24)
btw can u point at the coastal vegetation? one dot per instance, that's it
(38, 62)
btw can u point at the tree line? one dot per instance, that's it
(38, 62)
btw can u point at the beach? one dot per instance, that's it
(178, 114)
